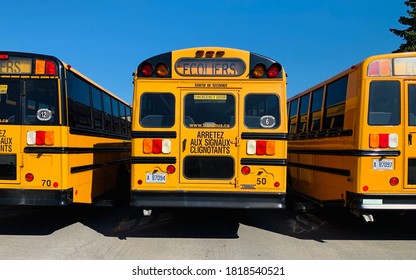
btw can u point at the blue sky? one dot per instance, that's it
(106, 40)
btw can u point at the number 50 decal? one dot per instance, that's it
(261, 181)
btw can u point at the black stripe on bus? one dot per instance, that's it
(71, 150)
(88, 167)
(118, 161)
(357, 153)
(264, 136)
(153, 160)
(153, 134)
(89, 132)
(337, 171)
(263, 161)
(320, 134)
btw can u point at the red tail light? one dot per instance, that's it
(157, 146)
(261, 147)
(40, 137)
(4, 56)
(383, 140)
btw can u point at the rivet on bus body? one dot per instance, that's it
(365, 188)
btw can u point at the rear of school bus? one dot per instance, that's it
(209, 130)
(30, 117)
(386, 170)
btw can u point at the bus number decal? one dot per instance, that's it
(44, 114)
(46, 183)
(261, 181)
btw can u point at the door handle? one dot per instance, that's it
(410, 139)
(184, 145)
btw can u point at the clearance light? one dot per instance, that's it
(209, 54)
(274, 70)
(40, 138)
(147, 69)
(260, 147)
(199, 53)
(161, 70)
(157, 146)
(245, 170)
(258, 71)
(394, 181)
(384, 140)
(220, 53)
(29, 177)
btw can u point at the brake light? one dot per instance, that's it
(384, 140)
(260, 147)
(394, 181)
(29, 177)
(157, 146)
(245, 170)
(40, 138)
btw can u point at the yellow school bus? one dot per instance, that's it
(209, 130)
(63, 138)
(351, 138)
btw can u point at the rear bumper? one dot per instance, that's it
(35, 197)
(381, 202)
(208, 199)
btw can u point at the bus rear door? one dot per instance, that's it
(208, 141)
(410, 136)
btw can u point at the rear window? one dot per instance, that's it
(157, 110)
(209, 110)
(384, 104)
(262, 111)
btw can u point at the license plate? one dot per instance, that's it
(156, 178)
(384, 164)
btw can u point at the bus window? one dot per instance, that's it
(157, 110)
(336, 93)
(384, 104)
(303, 114)
(206, 110)
(262, 111)
(98, 108)
(41, 102)
(316, 108)
(293, 113)
(107, 113)
(9, 98)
